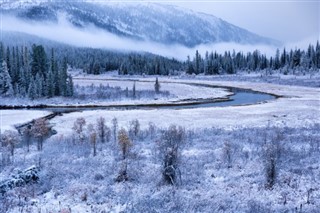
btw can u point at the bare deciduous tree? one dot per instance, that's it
(114, 128)
(101, 129)
(78, 126)
(26, 132)
(40, 130)
(134, 128)
(93, 138)
(124, 144)
(152, 130)
(227, 154)
(9, 140)
(272, 153)
(171, 142)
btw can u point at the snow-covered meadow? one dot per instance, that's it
(10, 118)
(223, 161)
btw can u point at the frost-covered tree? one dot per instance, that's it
(157, 86)
(114, 123)
(92, 138)
(6, 88)
(78, 128)
(69, 89)
(124, 142)
(124, 145)
(170, 147)
(101, 129)
(134, 90)
(40, 130)
(10, 139)
(134, 128)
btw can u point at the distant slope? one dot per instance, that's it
(140, 21)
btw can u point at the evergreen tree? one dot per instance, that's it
(190, 68)
(134, 90)
(39, 61)
(157, 86)
(197, 63)
(283, 58)
(8, 62)
(296, 58)
(96, 69)
(317, 55)
(63, 78)
(6, 87)
(276, 64)
(69, 86)
(32, 91)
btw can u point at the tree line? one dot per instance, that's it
(31, 73)
(229, 63)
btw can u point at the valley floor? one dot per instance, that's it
(223, 160)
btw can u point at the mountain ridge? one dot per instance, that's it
(165, 24)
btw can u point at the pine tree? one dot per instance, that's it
(32, 91)
(69, 86)
(63, 78)
(157, 86)
(134, 90)
(50, 85)
(197, 62)
(6, 87)
(39, 61)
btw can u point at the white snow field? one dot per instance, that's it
(299, 106)
(10, 118)
(223, 159)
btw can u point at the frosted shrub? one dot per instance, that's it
(9, 140)
(171, 142)
(134, 128)
(78, 128)
(124, 145)
(40, 130)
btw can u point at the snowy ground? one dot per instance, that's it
(10, 118)
(299, 106)
(177, 90)
(177, 93)
(73, 180)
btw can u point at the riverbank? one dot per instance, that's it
(299, 106)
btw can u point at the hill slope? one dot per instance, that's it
(139, 21)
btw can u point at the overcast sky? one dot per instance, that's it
(287, 21)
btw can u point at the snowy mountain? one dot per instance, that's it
(152, 22)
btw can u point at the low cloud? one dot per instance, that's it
(91, 36)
